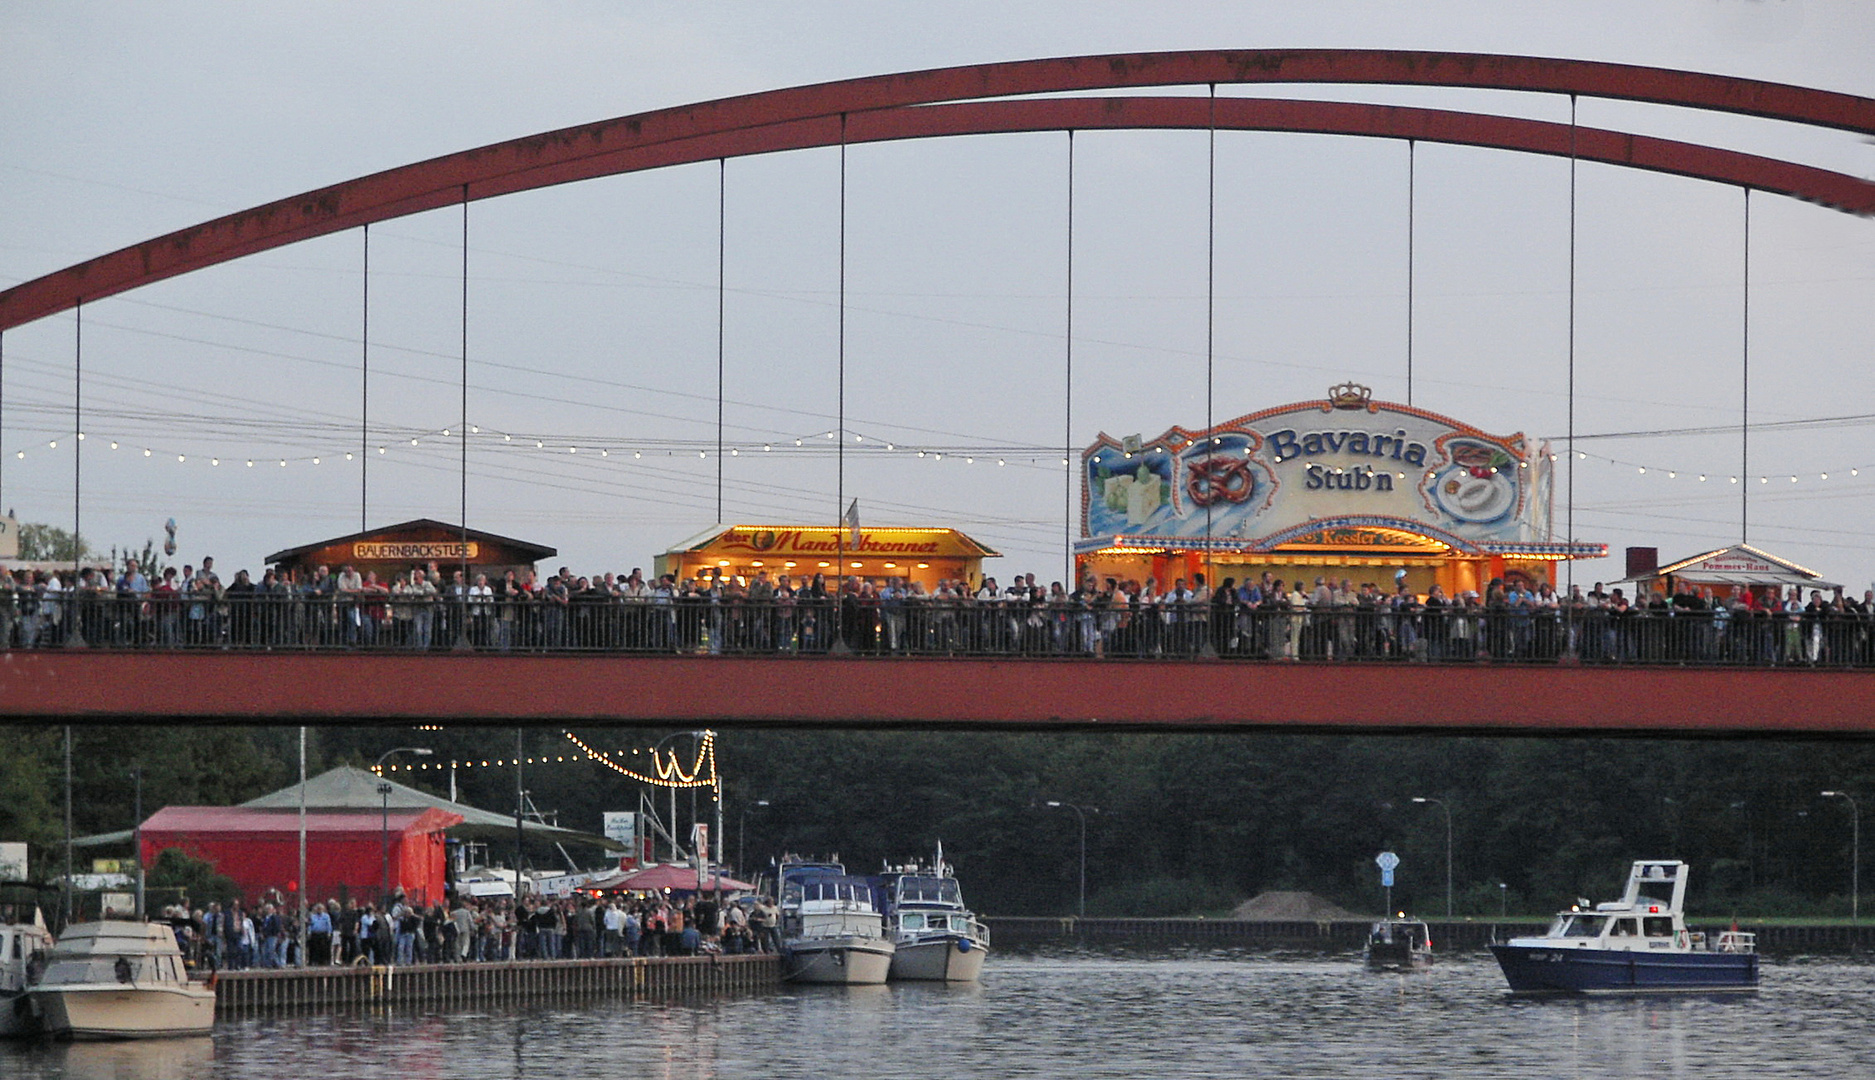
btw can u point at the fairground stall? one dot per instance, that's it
(801, 551)
(1343, 486)
(1726, 571)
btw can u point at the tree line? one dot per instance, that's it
(1177, 823)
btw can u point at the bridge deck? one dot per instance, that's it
(106, 686)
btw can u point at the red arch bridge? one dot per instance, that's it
(1678, 693)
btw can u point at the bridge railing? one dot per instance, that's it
(707, 625)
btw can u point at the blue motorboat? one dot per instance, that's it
(1638, 944)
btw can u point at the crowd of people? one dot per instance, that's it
(579, 927)
(430, 607)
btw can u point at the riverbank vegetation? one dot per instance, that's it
(1176, 824)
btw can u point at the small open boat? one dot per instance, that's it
(1399, 944)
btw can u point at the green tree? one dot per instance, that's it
(40, 542)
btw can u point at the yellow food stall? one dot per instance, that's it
(923, 555)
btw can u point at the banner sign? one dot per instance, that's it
(415, 551)
(1271, 474)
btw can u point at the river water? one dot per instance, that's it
(1066, 1013)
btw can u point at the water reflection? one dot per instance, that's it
(1093, 1013)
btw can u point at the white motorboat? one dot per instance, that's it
(831, 927)
(115, 979)
(1637, 944)
(937, 939)
(23, 950)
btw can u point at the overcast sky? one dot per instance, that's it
(593, 307)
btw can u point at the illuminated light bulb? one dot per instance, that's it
(413, 442)
(1825, 476)
(637, 454)
(572, 449)
(889, 446)
(1580, 456)
(1523, 464)
(538, 445)
(380, 451)
(603, 452)
(315, 461)
(113, 444)
(81, 436)
(1733, 479)
(348, 455)
(766, 448)
(182, 457)
(473, 430)
(283, 463)
(214, 461)
(921, 453)
(250, 463)
(1401, 476)
(970, 461)
(701, 454)
(735, 452)
(797, 442)
(1793, 479)
(507, 438)
(829, 434)
(1671, 475)
(146, 451)
(939, 457)
(445, 433)
(1764, 479)
(1643, 470)
(1702, 478)
(1064, 463)
(1000, 461)
(1552, 457)
(856, 438)
(55, 444)
(1279, 457)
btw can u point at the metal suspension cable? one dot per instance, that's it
(78, 445)
(1412, 176)
(464, 430)
(839, 499)
(722, 188)
(1744, 406)
(364, 393)
(1210, 318)
(1067, 393)
(1569, 568)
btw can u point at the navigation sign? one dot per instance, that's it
(1386, 878)
(1387, 861)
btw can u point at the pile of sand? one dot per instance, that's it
(1279, 906)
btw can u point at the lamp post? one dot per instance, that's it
(1441, 804)
(1855, 853)
(742, 832)
(384, 827)
(1081, 813)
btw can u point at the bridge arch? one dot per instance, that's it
(951, 101)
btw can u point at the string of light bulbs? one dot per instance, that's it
(670, 770)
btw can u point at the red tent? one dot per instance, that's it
(674, 876)
(259, 849)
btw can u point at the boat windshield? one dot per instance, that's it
(919, 889)
(1583, 926)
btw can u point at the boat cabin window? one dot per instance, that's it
(1584, 925)
(928, 890)
(960, 923)
(16, 947)
(1657, 926)
(1627, 928)
(911, 922)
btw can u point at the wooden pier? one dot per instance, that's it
(332, 989)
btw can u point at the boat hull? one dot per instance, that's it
(846, 963)
(939, 959)
(16, 1015)
(1397, 956)
(1535, 969)
(124, 1012)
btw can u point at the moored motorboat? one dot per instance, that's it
(1399, 944)
(1639, 943)
(115, 979)
(936, 938)
(23, 950)
(831, 928)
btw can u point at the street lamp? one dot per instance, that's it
(742, 831)
(1440, 803)
(384, 827)
(1081, 813)
(1855, 853)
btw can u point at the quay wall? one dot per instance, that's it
(1352, 933)
(321, 989)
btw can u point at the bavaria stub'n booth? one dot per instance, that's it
(1344, 486)
(921, 555)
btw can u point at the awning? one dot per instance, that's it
(673, 876)
(1740, 565)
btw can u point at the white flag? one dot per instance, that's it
(852, 522)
